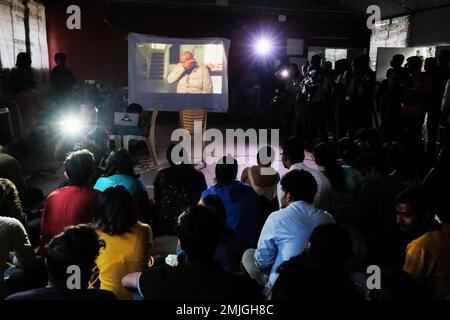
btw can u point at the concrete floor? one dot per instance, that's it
(46, 173)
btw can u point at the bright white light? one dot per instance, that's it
(284, 73)
(263, 46)
(71, 125)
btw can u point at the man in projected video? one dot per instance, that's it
(191, 77)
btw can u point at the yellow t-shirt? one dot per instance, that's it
(122, 255)
(428, 261)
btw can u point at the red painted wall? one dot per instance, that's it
(99, 52)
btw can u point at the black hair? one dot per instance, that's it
(75, 246)
(60, 56)
(416, 197)
(117, 211)
(120, 162)
(372, 159)
(414, 62)
(325, 155)
(330, 247)
(348, 150)
(215, 203)
(300, 184)
(226, 170)
(265, 153)
(200, 230)
(135, 108)
(316, 60)
(370, 135)
(397, 60)
(23, 60)
(79, 166)
(294, 149)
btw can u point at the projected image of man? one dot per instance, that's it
(189, 76)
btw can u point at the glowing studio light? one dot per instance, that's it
(71, 125)
(284, 73)
(263, 46)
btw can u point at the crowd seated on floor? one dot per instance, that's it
(372, 197)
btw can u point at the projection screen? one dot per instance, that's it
(176, 74)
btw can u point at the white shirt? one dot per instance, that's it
(13, 237)
(322, 200)
(196, 81)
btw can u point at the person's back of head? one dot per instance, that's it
(316, 60)
(414, 63)
(23, 60)
(326, 157)
(299, 185)
(347, 150)
(120, 162)
(134, 108)
(368, 139)
(200, 230)
(117, 211)
(293, 150)
(328, 66)
(397, 61)
(430, 64)
(80, 167)
(330, 247)
(226, 170)
(60, 58)
(76, 246)
(265, 156)
(214, 202)
(372, 164)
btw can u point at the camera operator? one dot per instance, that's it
(312, 102)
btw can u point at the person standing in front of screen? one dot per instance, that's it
(191, 77)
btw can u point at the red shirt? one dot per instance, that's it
(65, 207)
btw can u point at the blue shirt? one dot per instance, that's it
(135, 186)
(241, 206)
(286, 234)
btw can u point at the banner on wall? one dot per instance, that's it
(13, 37)
(176, 73)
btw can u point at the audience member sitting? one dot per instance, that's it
(414, 218)
(76, 246)
(403, 162)
(375, 203)
(345, 182)
(428, 260)
(175, 188)
(367, 140)
(348, 152)
(10, 169)
(287, 231)
(120, 171)
(128, 241)
(318, 273)
(396, 285)
(74, 204)
(293, 155)
(200, 230)
(10, 205)
(241, 204)
(13, 237)
(264, 180)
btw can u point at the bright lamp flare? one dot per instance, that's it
(263, 46)
(285, 73)
(71, 125)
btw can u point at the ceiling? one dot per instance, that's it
(357, 8)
